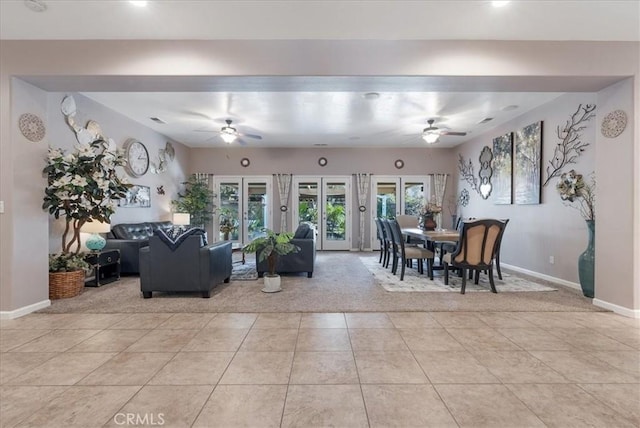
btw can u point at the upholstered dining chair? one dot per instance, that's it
(403, 253)
(476, 250)
(384, 247)
(407, 221)
(498, 245)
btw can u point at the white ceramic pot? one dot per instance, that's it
(272, 284)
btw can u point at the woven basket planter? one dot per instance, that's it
(65, 284)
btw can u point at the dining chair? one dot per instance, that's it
(384, 247)
(475, 251)
(403, 253)
(498, 245)
(390, 242)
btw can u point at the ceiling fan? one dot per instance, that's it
(229, 134)
(431, 134)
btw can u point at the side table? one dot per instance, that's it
(106, 267)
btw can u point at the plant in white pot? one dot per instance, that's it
(269, 247)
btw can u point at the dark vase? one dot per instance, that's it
(586, 262)
(427, 222)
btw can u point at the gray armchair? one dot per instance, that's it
(189, 267)
(302, 261)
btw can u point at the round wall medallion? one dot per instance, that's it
(399, 163)
(614, 123)
(322, 161)
(362, 208)
(32, 127)
(283, 208)
(245, 162)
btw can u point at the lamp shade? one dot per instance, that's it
(181, 219)
(96, 226)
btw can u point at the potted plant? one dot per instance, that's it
(269, 247)
(81, 187)
(197, 200)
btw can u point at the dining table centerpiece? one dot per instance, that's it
(82, 187)
(581, 195)
(430, 210)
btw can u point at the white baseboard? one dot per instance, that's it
(620, 310)
(358, 250)
(549, 278)
(9, 315)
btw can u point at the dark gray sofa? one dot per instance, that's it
(129, 238)
(191, 267)
(302, 261)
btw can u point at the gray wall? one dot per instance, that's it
(120, 128)
(552, 228)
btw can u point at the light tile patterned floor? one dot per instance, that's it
(441, 369)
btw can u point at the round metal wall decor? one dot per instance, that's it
(399, 163)
(283, 208)
(245, 162)
(362, 208)
(322, 161)
(614, 124)
(32, 127)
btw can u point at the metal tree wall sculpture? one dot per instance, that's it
(467, 173)
(570, 146)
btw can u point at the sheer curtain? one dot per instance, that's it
(439, 187)
(284, 189)
(363, 182)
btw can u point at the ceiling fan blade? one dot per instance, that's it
(206, 130)
(241, 142)
(257, 137)
(459, 134)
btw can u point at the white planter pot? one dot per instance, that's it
(271, 284)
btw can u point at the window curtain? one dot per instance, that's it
(439, 187)
(363, 183)
(284, 188)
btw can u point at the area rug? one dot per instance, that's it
(244, 272)
(413, 281)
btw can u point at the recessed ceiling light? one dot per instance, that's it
(371, 96)
(35, 5)
(500, 3)
(320, 144)
(158, 120)
(355, 137)
(510, 108)
(139, 3)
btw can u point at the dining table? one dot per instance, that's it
(430, 237)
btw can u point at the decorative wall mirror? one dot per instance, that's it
(486, 156)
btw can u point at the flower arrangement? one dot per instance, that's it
(82, 186)
(431, 208)
(573, 188)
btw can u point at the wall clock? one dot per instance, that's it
(245, 162)
(614, 123)
(399, 163)
(137, 158)
(322, 161)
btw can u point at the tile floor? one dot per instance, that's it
(421, 369)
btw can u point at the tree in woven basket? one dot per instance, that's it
(81, 187)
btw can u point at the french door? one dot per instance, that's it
(395, 195)
(243, 207)
(325, 202)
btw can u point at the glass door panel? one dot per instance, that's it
(336, 217)
(386, 197)
(413, 197)
(228, 213)
(256, 215)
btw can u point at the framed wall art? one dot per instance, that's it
(502, 169)
(527, 174)
(137, 197)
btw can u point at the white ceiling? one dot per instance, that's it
(306, 112)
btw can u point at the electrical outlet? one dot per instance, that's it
(552, 259)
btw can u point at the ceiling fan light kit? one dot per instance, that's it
(228, 133)
(430, 137)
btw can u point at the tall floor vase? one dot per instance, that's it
(586, 262)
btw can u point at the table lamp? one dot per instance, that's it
(181, 220)
(95, 227)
